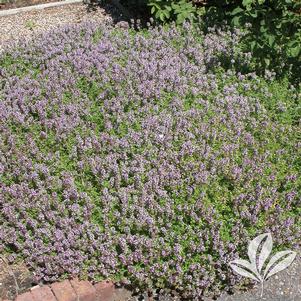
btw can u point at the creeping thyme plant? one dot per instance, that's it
(144, 157)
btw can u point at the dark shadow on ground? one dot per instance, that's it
(121, 11)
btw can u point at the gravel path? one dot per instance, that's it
(27, 24)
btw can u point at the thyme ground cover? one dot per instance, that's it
(147, 157)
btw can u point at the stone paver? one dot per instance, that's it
(42, 293)
(25, 297)
(104, 290)
(84, 290)
(63, 291)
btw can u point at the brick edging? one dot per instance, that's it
(70, 290)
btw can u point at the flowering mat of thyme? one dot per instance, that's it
(144, 157)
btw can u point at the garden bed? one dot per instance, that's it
(144, 157)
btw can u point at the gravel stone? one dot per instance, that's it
(285, 286)
(26, 25)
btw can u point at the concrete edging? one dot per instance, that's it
(8, 12)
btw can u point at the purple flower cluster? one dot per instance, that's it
(136, 157)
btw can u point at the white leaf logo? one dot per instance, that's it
(235, 265)
(259, 251)
(288, 258)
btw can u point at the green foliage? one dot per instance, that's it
(178, 10)
(30, 24)
(243, 118)
(274, 32)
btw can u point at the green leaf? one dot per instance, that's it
(294, 48)
(267, 62)
(247, 2)
(174, 6)
(180, 18)
(158, 13)
(253, 14)
(263, 29)
(295, 51)
(161, 16)
(236, 11)
(271, 40)
(253, 45)
(236, 20)
(156, 5)
(168, 8)
(153, 9)
(167, 14)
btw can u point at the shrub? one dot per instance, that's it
(138, 157)
(273, 35)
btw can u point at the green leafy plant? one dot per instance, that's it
(178, 10)
(30, 24)
(273, 32)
